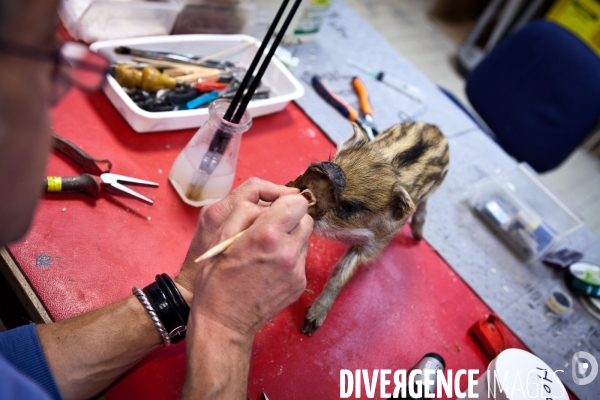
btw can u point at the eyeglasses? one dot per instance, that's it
(75, 64)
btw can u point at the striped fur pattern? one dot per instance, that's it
(368, 192)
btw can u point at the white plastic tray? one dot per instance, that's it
(284, 87)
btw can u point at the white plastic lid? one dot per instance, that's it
(523, 376)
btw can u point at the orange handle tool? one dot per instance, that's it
(363, 95)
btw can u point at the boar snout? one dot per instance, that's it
(327, 181)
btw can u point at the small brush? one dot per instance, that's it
(221, 247)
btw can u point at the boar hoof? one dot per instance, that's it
(310, 326)
(417, 234)
(314, 319)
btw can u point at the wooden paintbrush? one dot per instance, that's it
(221, 247)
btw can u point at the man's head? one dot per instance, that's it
(25, 124)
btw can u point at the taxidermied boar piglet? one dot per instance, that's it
(367, 192)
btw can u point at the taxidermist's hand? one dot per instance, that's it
(263, 271)
(252, 195)
(241, 289)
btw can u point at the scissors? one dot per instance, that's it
(96, 177)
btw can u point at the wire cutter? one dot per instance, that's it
(364, 119)
(96, 176)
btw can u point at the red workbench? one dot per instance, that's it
(81, 254)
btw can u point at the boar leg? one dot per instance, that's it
(418, 220)
(341, 274)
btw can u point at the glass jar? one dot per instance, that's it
(204, 170)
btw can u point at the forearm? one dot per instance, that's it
(87, 353)
(218, 361)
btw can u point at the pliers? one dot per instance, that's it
(364, 119)
(96, 176)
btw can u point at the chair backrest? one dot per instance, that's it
(539, 91)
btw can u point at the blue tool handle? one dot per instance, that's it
(344, 108)
(201, 100)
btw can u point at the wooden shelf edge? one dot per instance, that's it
(22, 288)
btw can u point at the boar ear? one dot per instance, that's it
(358, 138)
(402, 205)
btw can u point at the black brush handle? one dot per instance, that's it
(263, 67)
(257, 57)
(219, 142)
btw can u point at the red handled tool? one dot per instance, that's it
(96, 177)
(489, 331)
(207, 86)
(364, 119)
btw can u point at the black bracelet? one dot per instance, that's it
(166, 312)
(168, 286)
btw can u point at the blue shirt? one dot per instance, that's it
(24, 372)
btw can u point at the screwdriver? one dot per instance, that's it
(411, 91)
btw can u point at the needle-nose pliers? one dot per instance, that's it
(96, 177)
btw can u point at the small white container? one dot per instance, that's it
(520, 376)
(284, 86)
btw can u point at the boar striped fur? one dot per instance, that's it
(368, 192)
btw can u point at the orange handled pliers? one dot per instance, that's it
(364, 119)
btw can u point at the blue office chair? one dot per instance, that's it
(539, 92)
